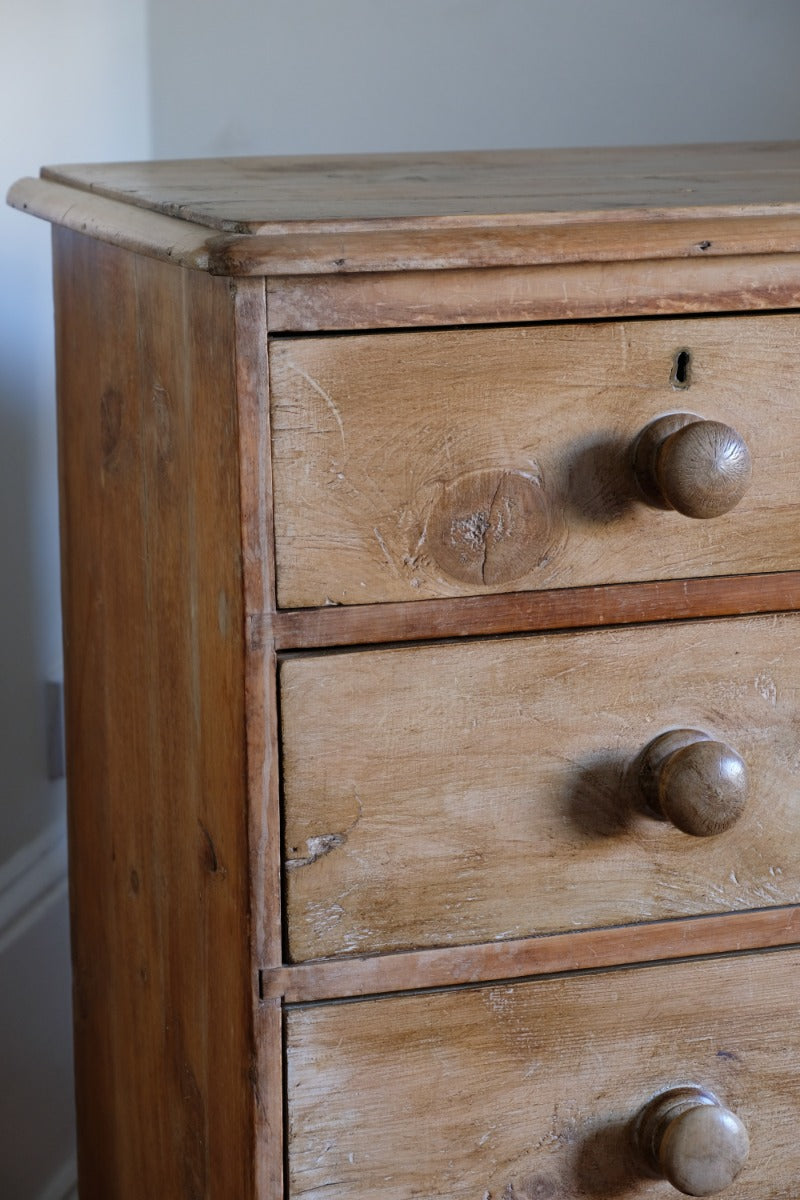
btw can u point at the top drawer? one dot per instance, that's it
(458, 462)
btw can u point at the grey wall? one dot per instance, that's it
(115, 79)
(310, 75)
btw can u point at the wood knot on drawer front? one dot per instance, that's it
(490, 527)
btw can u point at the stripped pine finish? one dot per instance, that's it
(572, 291)
(323, 216)
(414, 465)
(155, 727)
(517, 758)
(520, 1091)
(543, 187)
(404, 598)
(559, 608)
(579, 950)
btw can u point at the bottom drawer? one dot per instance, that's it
(530, 1091)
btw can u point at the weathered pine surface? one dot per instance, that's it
(256, 194)
(290, 216)
(511, 612)
(551, 954)
(514, 1092)
(458, 816)
(472, 792)
(445, 463)
(566, 291)
(156, 728)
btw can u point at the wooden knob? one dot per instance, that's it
(687, 1136)
(698, 784)
(699, 468)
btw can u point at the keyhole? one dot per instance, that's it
(682, 369)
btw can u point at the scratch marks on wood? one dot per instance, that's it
(577, 402)
(534, 1187)
(330, 402)
(386, 552)
(766, 687)
(515, 757)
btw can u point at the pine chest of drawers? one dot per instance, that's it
(431, 589)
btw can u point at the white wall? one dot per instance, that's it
(284, 76)
(73, 85)
(79, 82)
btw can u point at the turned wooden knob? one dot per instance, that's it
(687, 1136)
(698, 784)
(699, 468)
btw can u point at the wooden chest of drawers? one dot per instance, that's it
(432, 628)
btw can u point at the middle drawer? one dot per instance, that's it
(462, 792)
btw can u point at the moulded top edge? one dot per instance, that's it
(300, 215)
(305, 194)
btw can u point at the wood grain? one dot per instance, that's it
(442, 795)
(339, 279)
(258, 578)
(553, 954)
(566, 291)
(377, 213)
(266, 1076)
(530, 1089)
(155, 727)
(561, 608)
(265, 1068)
(457, 815)
(254, 195)
(111, 221)
(386, 447)
(685, 248)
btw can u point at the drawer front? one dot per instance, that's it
(527, 1091)
(463, 792)
(411, 465)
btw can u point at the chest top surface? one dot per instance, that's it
(522, 206)
(260, 194)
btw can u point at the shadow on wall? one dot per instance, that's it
(21, 728)
(36, 1105)
(29, 592)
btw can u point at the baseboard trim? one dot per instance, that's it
(63, 1185)
(31, 881)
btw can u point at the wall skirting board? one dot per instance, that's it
(31, 881)
(36, 1113)
(63, 1185)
